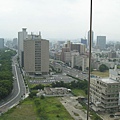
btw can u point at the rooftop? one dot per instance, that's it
(108, 80)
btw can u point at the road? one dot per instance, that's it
(74, 72)
(19, 89)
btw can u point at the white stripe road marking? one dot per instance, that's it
(18, 90)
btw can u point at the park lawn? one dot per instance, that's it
(78, 92)
(101, 74)
(52, 109)
(23, 111)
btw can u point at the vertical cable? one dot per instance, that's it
(88, 108)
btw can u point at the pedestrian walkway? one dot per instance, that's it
(74, 108)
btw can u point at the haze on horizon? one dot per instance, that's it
(65, 19)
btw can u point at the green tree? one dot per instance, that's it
(32, 94)
(103, 68)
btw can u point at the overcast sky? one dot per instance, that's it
(65, 19)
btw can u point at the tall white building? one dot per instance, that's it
(1, 43)
(21, 37)
(92, 40)
(36, 55)
(101, 42)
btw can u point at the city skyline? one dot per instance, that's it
(61, 19)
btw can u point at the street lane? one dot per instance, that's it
(18, 89)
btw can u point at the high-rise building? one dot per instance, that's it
(76, 46)
(84, 41)
(101, 42)
(117, 46)
(79, 47)
(1, 43)
(15, 43)
(21, 37)
(92, 39)
(68, 45)
(66, 49)
(36, 55)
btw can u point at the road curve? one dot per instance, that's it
(18, 89)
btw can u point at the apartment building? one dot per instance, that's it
(36, 55)
(68, 56)
(112, 54)
(80, 60)
(76, 46)
(105, 92)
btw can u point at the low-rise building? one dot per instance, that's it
(57, 91)
(112, 54)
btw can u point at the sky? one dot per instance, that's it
(60, 19)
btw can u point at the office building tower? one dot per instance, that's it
(92, 39)
(84, 41)
(117, 46)
(15, 41)
(36, 55)
(79, 47)
(101, 42)
(76, 46)
(21, 37)
(1, 43)
(66, 49)
(69, 44)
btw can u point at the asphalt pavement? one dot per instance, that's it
(18, 89)
(54, 78)
(74, 72)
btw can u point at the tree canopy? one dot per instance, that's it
(103, 68)
(6, 76)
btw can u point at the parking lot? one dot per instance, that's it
(54, 78)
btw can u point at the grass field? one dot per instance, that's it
(52, 109)
(24, 111)
(44, 109)
(101, 74)
(78, 92)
